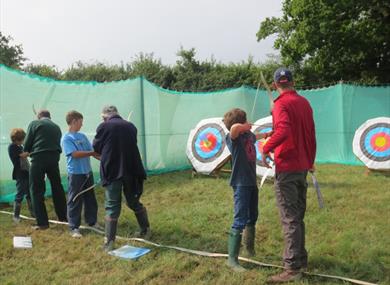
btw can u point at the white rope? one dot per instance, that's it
(203, 253)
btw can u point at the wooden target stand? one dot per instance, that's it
(217, 171)
(385, 172)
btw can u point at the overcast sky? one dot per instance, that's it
(60, 32)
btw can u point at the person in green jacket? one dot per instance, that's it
(43, 144)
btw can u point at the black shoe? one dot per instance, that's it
(40, 228)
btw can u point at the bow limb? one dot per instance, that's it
(269, 92)
(129, 116)
(33, 109)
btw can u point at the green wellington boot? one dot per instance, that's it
(234, 244)
(248, 240)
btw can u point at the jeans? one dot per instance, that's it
(246, 203)
(132, 189)
(22, 189)
(77, 183)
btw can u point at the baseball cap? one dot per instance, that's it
(283, 75)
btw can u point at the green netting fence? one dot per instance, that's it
(164, 117)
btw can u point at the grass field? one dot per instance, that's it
(350, 237)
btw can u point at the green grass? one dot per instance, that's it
(350, 237)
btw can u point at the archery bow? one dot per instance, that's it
(317, 189)
(271, 106)
(269, 92)
(33, 109)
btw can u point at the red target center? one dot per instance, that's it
(380, 141)
(209, 143)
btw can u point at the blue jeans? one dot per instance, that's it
(77, 183)
(246, 203)
(22, 189)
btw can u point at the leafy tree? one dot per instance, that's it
(10, 55)
(98, 71)
(330, 40)
(152, 69)
(43, 70)
(188, 71)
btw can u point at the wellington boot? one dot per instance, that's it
(17, 207)
(144, 226)
(110, 232)
(248, 240)
(234, 243)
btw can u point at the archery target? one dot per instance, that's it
(206, 145)
(371, 143)
(263, 125)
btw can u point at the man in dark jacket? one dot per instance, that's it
(120, 169)
(43, 143)
(294, 144)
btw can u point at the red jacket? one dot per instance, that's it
(293, 140)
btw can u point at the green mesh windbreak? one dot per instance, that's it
(164, 118)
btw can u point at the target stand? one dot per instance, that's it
(206, 147)
(217, 171)
(371, 144)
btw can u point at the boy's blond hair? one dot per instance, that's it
(73, 115)
(234, 116)
(17, 135)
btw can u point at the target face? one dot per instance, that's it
(371, 143)
(206, 145)
(208, 142)
(263, 125)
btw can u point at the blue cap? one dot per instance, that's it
(283, 75)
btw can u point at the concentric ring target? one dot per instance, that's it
(208, 142)
(263, 125)
(371, 143)
(206, 145)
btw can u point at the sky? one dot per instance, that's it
(61, 32)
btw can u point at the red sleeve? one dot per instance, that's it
(282, 127)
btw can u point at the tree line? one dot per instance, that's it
(323, 42)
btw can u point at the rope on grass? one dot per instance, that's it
(203, 253)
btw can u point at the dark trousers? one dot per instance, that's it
(246, 204)
(41, 164)
(22, 189)
(77, 183)
(132, 189)
(290, 189)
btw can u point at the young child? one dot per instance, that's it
(78, 150)
(20, 172)
(241, 143)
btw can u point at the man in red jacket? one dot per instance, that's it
(294, 145)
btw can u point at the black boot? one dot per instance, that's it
(234, 244)
(248, 240)
(110, 229)
(17, 207)
(30, 207)
(143, 222)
